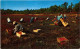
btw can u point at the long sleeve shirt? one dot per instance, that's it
(59, 17)
(17, 28)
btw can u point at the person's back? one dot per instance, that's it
(8, 20)
(59, 17)
(19, 27)
(47, 18)
(35, 19)
(21, 20)
(32, 19)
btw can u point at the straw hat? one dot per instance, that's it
(64, 14)
(14, 22)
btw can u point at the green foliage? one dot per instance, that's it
(76, 7)
(70, 8)
(63, 8)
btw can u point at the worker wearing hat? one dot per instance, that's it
(58, 18)
(18, 27)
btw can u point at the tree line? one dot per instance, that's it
(63, 8)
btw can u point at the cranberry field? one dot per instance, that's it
(46, 38)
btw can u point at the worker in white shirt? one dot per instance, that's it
(8, 20)
(18, 27)
(21, 20)
(47, 18)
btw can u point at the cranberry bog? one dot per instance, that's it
(46, 38)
